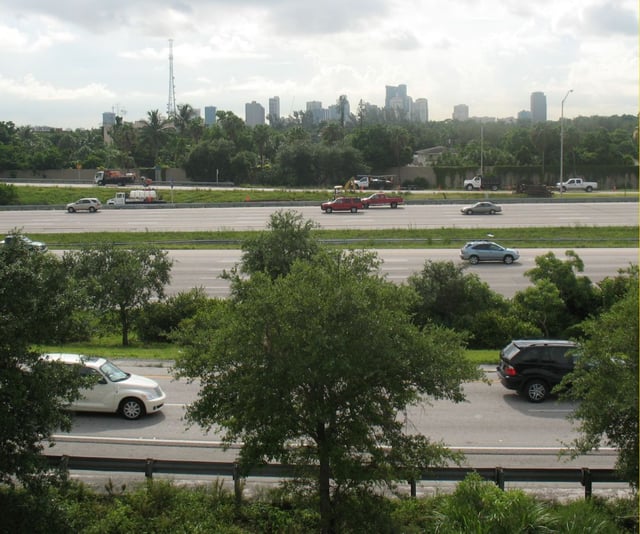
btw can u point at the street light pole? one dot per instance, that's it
(562, 140)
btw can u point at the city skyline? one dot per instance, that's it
(64, 65)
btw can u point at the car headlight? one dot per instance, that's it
(153, 394)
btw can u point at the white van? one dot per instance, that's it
(115, 390)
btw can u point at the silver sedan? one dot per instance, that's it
(482, 208)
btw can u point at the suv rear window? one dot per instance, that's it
(510, 351)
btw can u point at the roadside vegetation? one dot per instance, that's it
(160, 507)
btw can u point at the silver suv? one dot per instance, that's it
(477, 251)
(84, 204)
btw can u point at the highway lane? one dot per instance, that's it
(202, 268)
(495, 427)
(423, 216)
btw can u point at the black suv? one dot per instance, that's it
(534, 366)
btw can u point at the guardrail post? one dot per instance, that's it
(148, 468)
(499, 477)
(412, 485)
(587, 482)
(237, 487)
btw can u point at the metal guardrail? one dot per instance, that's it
(500, 475)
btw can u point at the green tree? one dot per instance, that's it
(288, 238)
(154, 134)
(33, 303)
(450, 297)
(325, 358)
(210, 160)
(119, 281)
(579, 295)
(542, 306)
(605, 382)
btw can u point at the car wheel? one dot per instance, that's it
(508, 260)
(469, 187)
(366, 206)
(492, 212)
(71, 210)
(92, 209)
(589, 189)
(328, 210)
(354, 210)
(131, 408)
(494, 188)
(394, 205)
(536, 390)
(473, 259)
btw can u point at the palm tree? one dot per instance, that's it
(154, 132)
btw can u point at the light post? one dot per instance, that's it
(562, 140)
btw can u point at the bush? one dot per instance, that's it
(158, 319)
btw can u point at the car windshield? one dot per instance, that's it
(113, 372)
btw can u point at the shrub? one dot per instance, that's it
(158, 319)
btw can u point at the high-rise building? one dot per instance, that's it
(394, 92)
(396, 99)
(460, 112)
(274, 108)
(254, 114)
(538, 107)
(210, 115)
(420, 110)
(317, 112)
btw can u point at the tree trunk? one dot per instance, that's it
(324, 484)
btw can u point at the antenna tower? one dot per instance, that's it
(171, 104)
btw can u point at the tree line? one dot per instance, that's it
(313, 348)
(299, 152)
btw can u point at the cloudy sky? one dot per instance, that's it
(64, 63)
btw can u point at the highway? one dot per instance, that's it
(494, 428)
(166, 218)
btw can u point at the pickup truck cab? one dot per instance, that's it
(577, 184)
(382, 199)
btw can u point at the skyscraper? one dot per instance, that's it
(274, 108)
(538, 107)
(460, 112)
(254, 114)
(420, 110)
(210, 115)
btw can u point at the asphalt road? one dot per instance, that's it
(495, 427)
(250, 217)
(202, 268)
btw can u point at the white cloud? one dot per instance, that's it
(489, 54)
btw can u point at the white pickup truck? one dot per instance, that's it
(577, 184)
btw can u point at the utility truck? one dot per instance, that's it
(113, 177)
(374, 182)
(480, 182)
(577, 184)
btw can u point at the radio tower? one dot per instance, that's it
(171, 104)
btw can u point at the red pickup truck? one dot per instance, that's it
(352, 204)
(382, 199)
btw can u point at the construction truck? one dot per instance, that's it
(114, 177)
